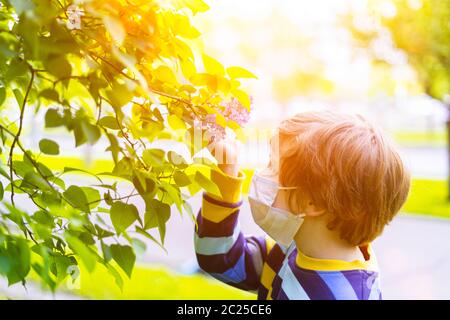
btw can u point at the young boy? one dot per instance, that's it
(331, 186)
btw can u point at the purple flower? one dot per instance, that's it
(236, 112)
(233, 110)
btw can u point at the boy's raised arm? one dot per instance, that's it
(222, 249)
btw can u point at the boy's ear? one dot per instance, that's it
(312, 211)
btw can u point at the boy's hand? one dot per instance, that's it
(226, 152)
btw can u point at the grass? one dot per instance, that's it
(428, 197)
(420, 138)
(148, 282)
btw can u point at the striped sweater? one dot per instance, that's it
(273, 271)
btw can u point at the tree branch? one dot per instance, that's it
(19, 131)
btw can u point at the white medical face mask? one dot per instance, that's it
(279, 224)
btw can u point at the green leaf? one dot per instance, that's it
(43, 218)
(165, 74)
(238, 72)
(2, 191)
(117, 277)
(181, 179)
(145, 186)
(197, 6)
(19, 251)
(92, 196)
(243, 98)
(2, 95)
(177, 159)
(5, 264)
(156, 215)
(77, 198)
(173, 191)
(91, 132)
(48, 146)
(50, 94)
(19, 96)
(220, 120)
(33, 180)
(124, 167)
(107, 254)
(82, 250)
(109, 122)
(17, 68)
(102, 233)
(175, 122)
(46, 172)
(212, 66)
(87, 238)
(124, 256)
(153, 157)
(119, 95)
(58, 66)
(123, 215)
(64, 266)
(207, 184)
(85, 132)
(149, 236)
(53, 119)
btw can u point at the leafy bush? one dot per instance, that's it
(123, 71)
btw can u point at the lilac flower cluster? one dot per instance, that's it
(233, 110)
(236, 112)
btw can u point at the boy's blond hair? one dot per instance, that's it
(345, 166)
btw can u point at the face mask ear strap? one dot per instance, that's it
(286, 188)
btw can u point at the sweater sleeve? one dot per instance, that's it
(222, 249)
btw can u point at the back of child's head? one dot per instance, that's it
(344, 165)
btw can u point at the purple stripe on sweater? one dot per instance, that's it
(262, 293)
(221, 203)
(219, 263)
(224, 228)
(310, 281)
(261, 242)
(356, 280)
(235, 275)
(251, 280)
(276, 285)
(275, 258)
(280, 295)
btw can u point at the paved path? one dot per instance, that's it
(414, 258)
